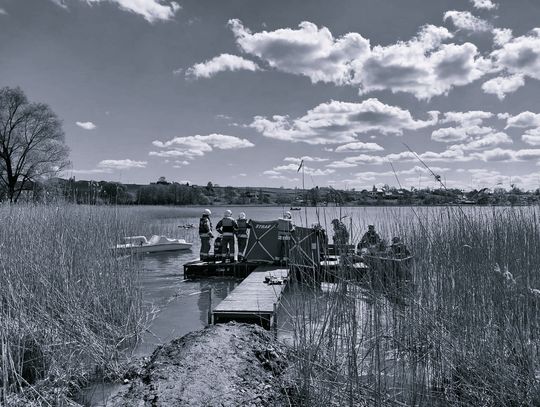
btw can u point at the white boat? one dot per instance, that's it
(139, 244)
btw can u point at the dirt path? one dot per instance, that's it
(221, 365)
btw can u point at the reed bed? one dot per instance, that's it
(464, 331)
(69, 305)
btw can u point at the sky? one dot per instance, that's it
(238, 92)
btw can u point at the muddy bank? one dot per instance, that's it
(221, 365)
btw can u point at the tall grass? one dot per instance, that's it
(465, 331)
(68, 304)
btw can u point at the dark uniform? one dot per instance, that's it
(242, 234)
(227, 227)
(205, 234)
(341, 237)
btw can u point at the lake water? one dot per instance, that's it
(181, 305)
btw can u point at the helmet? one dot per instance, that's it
(288, 215)
(228, 213)
(207, 212)
(371, 227)
(242, 215)
(395, 239)
(335, 222)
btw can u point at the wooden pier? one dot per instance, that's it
(254, 300)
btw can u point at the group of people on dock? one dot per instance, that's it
(230, 229)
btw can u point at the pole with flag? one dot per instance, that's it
(301, 167)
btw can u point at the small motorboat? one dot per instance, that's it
(139, 244)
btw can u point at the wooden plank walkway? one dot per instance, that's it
(254, 299)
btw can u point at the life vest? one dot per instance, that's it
(242, 227)
(205, 227)
(227, 226)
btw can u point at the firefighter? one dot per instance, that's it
(371, 239)
(242, 235)
(398, 249)
(205, 234)
(227, 227)
(285, 229)
(217, 249)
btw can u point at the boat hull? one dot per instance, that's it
(170, 247)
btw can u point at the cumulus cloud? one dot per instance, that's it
(309, 50)
(464, 20)
(151, 10)
(502, 85)
(221, 63)
(520, 55)
(532, 137)
(86, 125)
(358, 147)
(501, 36)
(424, 66)
(124, 164)
(306, 158)
(470, 118)
(484, 4)
(521, 120)
(197, 146)
(293, 168)
(340, 122)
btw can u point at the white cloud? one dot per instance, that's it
(532, 137)
(3, 12)
(464, 20)
(502, 36)
(293, 168)
(503, 85)
(306, 158)
(197, 146)
(521, 120)
(151, 10)
(484, 4)
(221, 63)
(470, 118)
(124, 164)
(340, 122)
(449, 134)
(423, 66)
(520, 55)
(86, 125)
(358, 147)
(308, 50)
(485, 141)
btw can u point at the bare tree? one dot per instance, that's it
(32, 143)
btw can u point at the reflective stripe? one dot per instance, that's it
(243, 235)
(228, 234)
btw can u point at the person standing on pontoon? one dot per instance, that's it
(285, 229)
(205, 234)
(242, 234)
(227, 227)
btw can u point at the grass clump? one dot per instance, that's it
(464, 331)
(68, 304)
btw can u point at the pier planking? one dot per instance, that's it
(253, 300)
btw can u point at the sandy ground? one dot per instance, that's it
(221, 365)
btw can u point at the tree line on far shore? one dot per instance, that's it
(163, 192)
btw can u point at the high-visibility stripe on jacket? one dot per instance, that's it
(243, 226)
(205, 227)
(227, 226)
